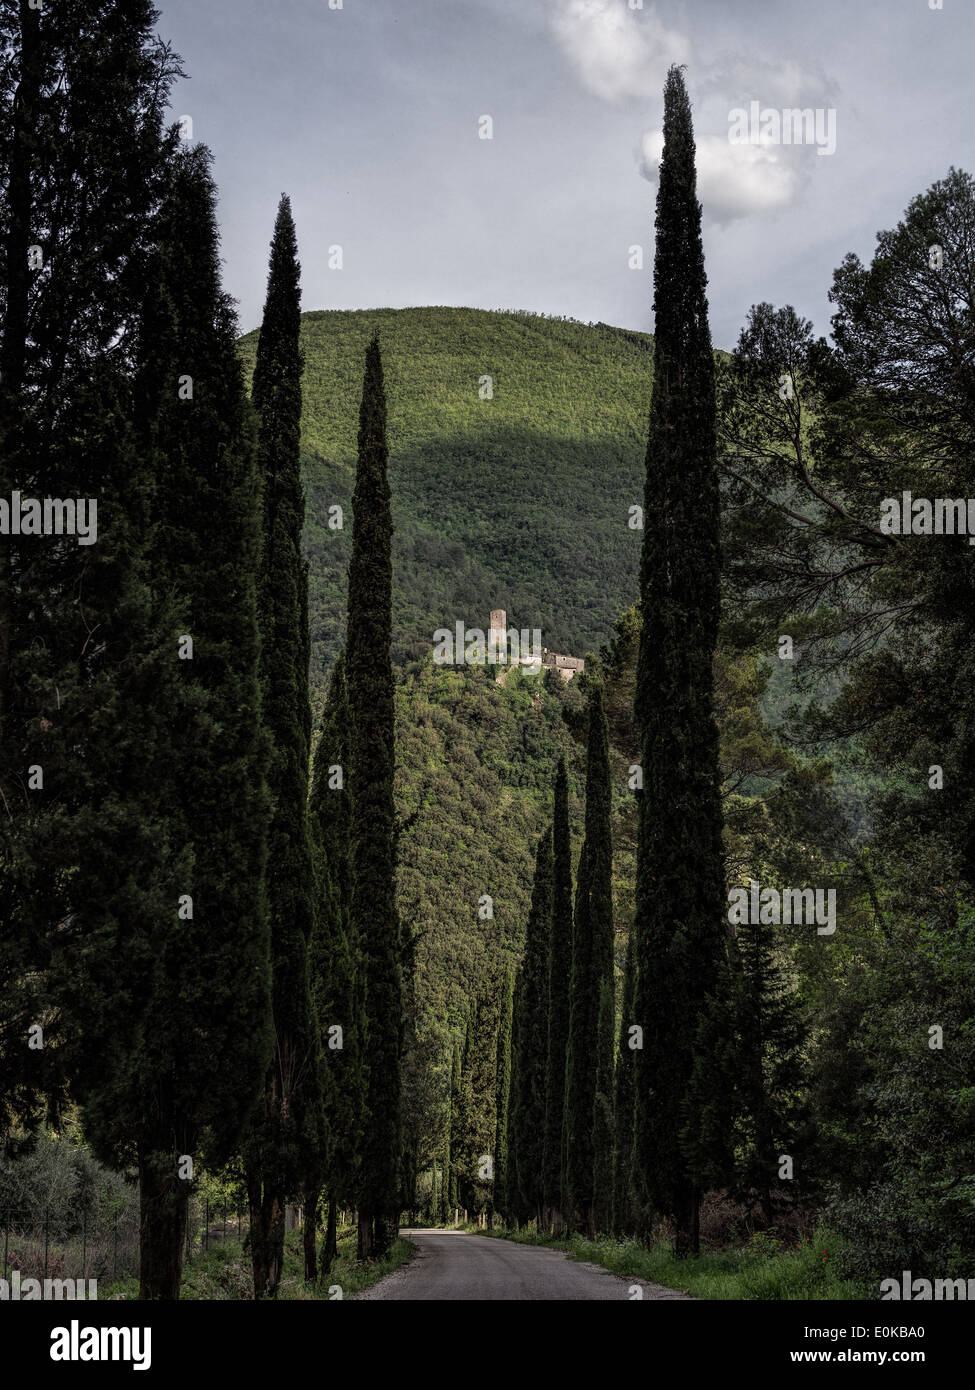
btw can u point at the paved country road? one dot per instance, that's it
(458, 1266)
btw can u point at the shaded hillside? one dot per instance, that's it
(519, 501)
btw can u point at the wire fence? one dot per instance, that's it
(52, 1244)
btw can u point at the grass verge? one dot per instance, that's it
(762, 1270)
(224, 1272)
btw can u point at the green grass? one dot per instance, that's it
(762, 1270)
(224, 1273)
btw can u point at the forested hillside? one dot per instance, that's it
(673, 951)
(518, 501)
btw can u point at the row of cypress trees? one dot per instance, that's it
(557, 1105)
(700, 1092)
(195, 952)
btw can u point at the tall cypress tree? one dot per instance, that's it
(374, 918)
(165, 974)
(599, 841)
(335, 972)
(560, 969)
(454, 1120)
(604, 1118)
(623, 1104)
(94, 694)
(590, 1048)
(86, 209)
(529, 1046)
(502, 1095)
(680, 905)
(577, 1128)
(289, 1144)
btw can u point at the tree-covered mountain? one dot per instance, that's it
(517, 447)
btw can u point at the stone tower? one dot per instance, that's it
(498, 633)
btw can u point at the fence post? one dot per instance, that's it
(84, 1245)
(47, 1235)
(225, 1221)
(6, 1245)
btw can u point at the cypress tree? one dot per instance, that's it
(453, 1129)
(590, 1049)
(335, 976)
(680, 902)
(67, 324)
(472, 1108)
(445, 1166)
(374, 918)
(577, 1130)
(530, 1046)
(623, 1104)
(289, 1145)
(604, 1120)
(165, 974)
(502, 1094)
(560, 969)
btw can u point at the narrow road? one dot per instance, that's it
(457, 1266)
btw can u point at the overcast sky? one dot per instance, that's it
(368, 116)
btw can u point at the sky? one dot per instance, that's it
(369, 114)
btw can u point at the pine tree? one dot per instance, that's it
(374, 920)
(529, 1047)
(680, 905)
(334, 968)
(560, 967)
(769, 1070)
(590, 1048)
(623, 1104)
(289, 1145)
(502, 1093)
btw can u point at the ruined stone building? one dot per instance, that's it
(498, 640)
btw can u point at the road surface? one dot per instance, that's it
(458, 1266)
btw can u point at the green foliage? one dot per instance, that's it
(559, 978)
(589, 1051)
(530, 1047)
(336, 970)
(568, 411)
(680, 894)
(289, 1143)
(502, 1094)
(374, 918)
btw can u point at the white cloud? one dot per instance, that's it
(735, 181)
(619, 54)
(738, 79)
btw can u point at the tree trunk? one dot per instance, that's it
(687, 1220)
(267, 1236)
(365, 1235)
(162, 1226)
(310, 1199)
(589, 1219)
(330, 1245)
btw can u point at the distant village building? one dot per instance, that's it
(567, 666)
